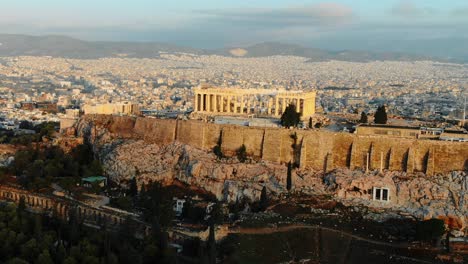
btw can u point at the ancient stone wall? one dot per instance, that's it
(309, 149)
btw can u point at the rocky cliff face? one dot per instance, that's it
(414, 195)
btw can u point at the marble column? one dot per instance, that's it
(276, 106)
(221, 104)
(270, 106)
(242, 104)
(208, 102)
(202, 102)
(215, 99)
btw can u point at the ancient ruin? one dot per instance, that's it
(261, 102)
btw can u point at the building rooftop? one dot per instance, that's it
(94, 179)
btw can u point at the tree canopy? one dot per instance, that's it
(38, 167)
(364, 118)
(380, 116)
(290, 117)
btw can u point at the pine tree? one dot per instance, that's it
(289, 177)
(44, 258)
(380, 116)
(363, 119)
(290, 117)
(133, 190)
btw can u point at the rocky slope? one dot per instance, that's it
(416, 195)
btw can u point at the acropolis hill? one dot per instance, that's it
(320, 151)
(422, 179)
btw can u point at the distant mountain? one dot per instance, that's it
(60, 46)
(272, 48)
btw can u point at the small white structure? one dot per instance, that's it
(381, 194)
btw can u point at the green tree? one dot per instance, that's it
(24, 124)
(133, 189)
(70, 260)
(289, 177)
(241, 153)
(23, 159)
(29, 250)
(83, 154)
(21, 206)
(75, 253)
(90, 260)
(17, 261)
(61, 254)
(290, 117)
(151, 253)
(364, 118)
(380, 116)
(218, 152)
(37, 226)
(112, 258)
(44, 258)
(430, 230)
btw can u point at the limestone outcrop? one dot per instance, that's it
(126, 153)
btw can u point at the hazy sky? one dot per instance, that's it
(400, 25)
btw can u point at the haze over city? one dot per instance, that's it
(429, 27)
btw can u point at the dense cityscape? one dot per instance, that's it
(417, 90)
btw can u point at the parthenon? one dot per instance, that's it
(259, 102)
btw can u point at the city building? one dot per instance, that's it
(89, 181)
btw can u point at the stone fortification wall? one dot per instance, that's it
(309, 149)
